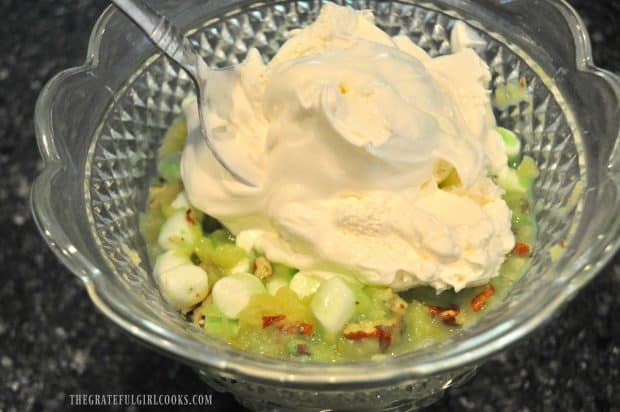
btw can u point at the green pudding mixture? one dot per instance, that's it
(384, 322)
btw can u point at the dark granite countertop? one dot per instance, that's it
(53, 342)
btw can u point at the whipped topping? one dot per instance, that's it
(462, 36)
(349, 133)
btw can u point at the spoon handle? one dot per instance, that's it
(163, 33)
(174, 44)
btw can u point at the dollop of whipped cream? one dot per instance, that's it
(349, 134)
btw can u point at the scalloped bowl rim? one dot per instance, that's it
(309, 375)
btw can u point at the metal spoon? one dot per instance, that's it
(170, 40)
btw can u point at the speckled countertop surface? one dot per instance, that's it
(53, 342)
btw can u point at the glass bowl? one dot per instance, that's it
(99, 126)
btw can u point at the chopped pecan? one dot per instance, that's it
(189, 216)
(521, 249)
(366, 329)
(398, 306)
(270, 320)
(298, 347)
(302, 349)
(368, 326)
(385, 337)
(447, 315)
(382, 333)
(300, 328)
(361, 334)
(478, 303)
(262, 268)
